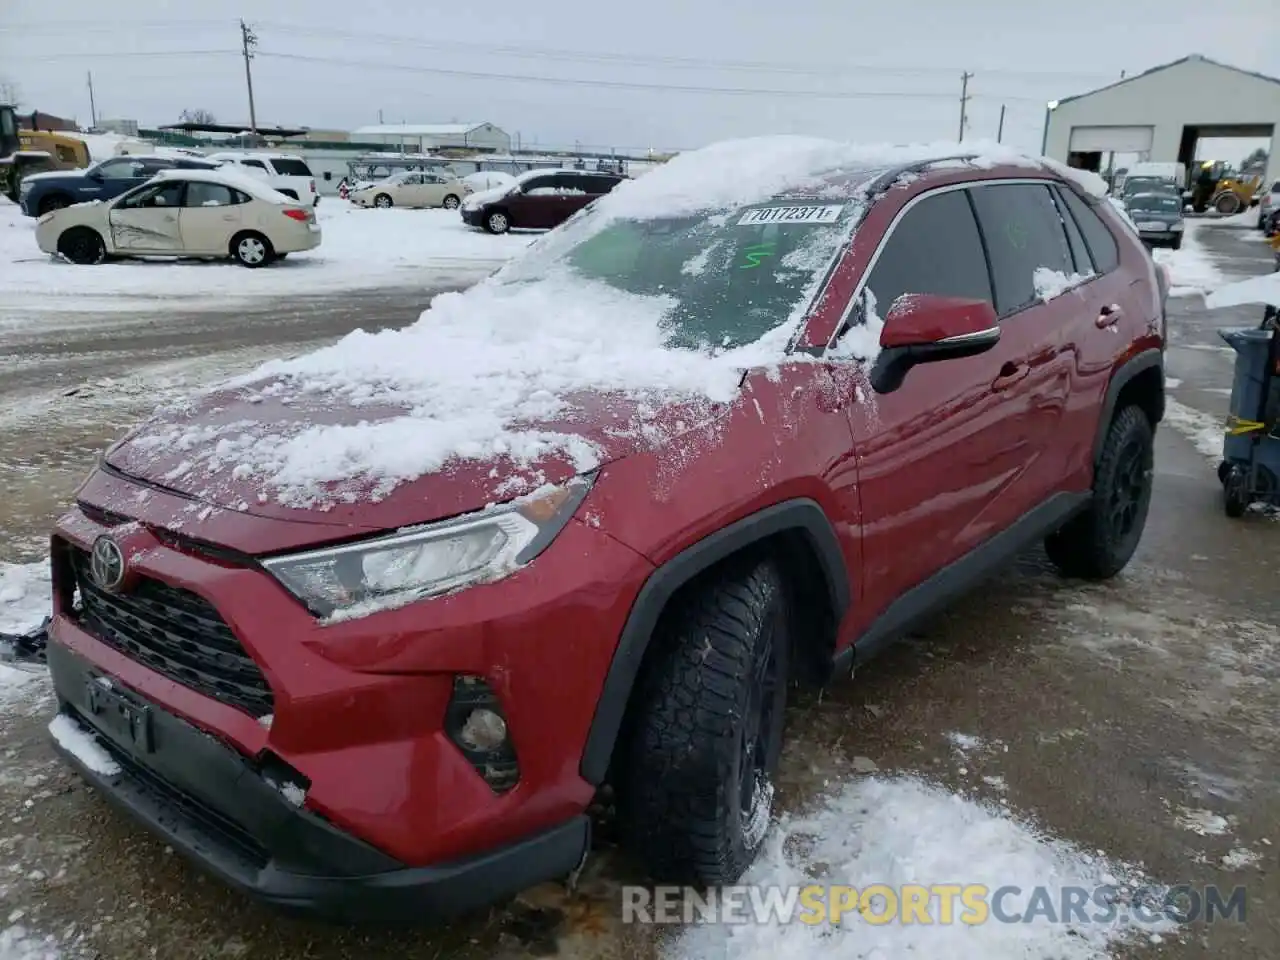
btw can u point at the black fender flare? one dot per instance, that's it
(1139, 363)
(802, 515)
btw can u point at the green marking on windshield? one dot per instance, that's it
(756, 253)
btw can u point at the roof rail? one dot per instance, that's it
(889, 177)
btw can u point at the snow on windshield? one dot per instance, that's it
(664, 291)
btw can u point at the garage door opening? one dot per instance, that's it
(1226, 165)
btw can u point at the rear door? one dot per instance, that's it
(936, 453)
(1115, 306)
(211, 215)
(147, 221)
(433, 189)
(1038, 300)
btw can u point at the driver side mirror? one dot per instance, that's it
(924, 328)
(95, 175)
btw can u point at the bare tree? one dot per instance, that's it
(198, 115)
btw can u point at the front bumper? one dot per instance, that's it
(211, 805)
(473, 218)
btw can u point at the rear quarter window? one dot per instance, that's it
(1102, 243)
(291, 167)
(1023, 234)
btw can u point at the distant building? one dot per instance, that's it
(46, 122)
(126, 128)
(325, 136)
(424, 138)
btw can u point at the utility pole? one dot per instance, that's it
(964, 99)
(93, 107)
(379, 117)
(248, 40)
(1000, 129)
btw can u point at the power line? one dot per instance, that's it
(623, 84)
(808, 69)
(127, 55)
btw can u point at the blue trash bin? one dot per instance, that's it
(1251, 449)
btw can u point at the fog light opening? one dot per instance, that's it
(483, 730)
(474, 721)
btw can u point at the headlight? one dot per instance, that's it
(1175, 226)
(355, 580)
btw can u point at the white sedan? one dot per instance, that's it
(411, 188)
(184, 213)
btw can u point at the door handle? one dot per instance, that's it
(1010, 374)
(1109, 316)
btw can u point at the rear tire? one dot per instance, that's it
(451, 202)
(1228, 204)
(1098, 543)
(695, 794)
(251, 250)
(1235, 495)
(82, 245)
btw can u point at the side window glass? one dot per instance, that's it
(1102, 245)
(541, 187)
(201, 194)
(160, 195)
(934, 249)
(1023, 234)
(1079, 251)
(255, 163)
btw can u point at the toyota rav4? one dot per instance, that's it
(366, 631)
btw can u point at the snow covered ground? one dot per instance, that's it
(1192, 270)
(360, 249)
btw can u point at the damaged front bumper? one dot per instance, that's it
(224, 812)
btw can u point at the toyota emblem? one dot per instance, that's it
(106, 564)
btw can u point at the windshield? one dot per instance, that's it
(728, 278)
(1156, 203)
(1142, 184)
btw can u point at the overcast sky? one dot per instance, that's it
(890, 72)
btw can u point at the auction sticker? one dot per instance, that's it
(809, 213)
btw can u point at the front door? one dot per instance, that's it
(535, 205)
(209, 218)
(935, 454)
(114, 177)
(146, 221)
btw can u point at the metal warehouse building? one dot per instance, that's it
(426, 137)
(1162, 113)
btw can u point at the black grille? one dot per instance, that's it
(175, 633)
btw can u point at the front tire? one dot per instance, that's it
(1176, 244)
(497, 222)
(82, 245)
(451, 202)
(382, 201)
(695, 792)
(1228, 204)
(251, 250)
(1097, 544)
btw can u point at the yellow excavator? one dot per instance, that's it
(32, 151)
(1216, 185)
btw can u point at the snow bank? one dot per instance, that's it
(25, 598)
(360, 249)
(903, 831)
(1191, 270)
(1262, 290)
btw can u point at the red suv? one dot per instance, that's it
(348, 675)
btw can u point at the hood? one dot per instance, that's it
(197, 451)
(54, 175)
(481, 197)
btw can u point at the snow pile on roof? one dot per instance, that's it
(229, 176)
(1191, 269)
(904, 831)
(1264, 289)
(736, 173)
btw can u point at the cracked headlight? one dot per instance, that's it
(358, 579)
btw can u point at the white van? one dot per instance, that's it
(287, 173)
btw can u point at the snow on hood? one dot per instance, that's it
(496, 373)
(486, 376)
(478, 199)
(54, 174)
